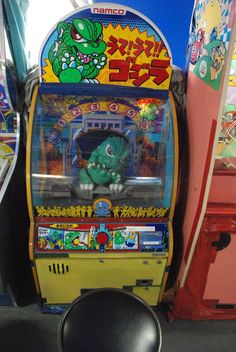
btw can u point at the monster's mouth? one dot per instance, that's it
(86, 58)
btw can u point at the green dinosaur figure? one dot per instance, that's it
(105, 165)
(149, 112)
(77, 56)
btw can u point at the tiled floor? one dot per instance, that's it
(27, 329)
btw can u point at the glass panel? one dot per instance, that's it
(226, 147)
(82, 150)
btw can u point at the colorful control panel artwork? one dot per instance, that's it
(101, 238)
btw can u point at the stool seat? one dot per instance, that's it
(109, 320)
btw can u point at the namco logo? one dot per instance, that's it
(109, 11)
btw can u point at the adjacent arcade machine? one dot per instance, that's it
(206, 285)
(9, 118)
(9, 145)
(102, 157)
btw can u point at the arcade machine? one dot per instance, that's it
(9, 118)
(14, 223)
(9, 145)
(206, 285)
(102, 157)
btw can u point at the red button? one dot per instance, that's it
(102, 238)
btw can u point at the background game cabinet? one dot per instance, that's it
(14, 263)
(102, 157)
(9, 117)
(206, 287)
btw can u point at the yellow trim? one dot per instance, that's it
(168, 263)
(174, 195)
(176, 160)
(104, 200)
(116, 255)
(28, 155)
(36, 280)
(31, 241)
(28, 187)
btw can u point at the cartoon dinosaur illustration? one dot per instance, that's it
(149, 112)
(119, 238)
(105, 165)
(77, 56)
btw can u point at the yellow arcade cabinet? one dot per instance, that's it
(102, 157)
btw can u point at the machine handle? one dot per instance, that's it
(223, 242)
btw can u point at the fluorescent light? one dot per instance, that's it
(50, 176)
(80, 3)
(141, 228)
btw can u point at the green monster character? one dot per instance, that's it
(105, 165)
(149, 112)
(77, 56)
(119, 238)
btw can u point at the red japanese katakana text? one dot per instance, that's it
(139, 73)
(134, 48)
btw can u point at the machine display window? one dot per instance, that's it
(82, 150)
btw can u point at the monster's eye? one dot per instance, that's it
(76, 36)
(99, 39)
(109, 152)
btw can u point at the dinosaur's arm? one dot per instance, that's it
(116, 177)
(93, 158)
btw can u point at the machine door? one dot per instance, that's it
(64, 279)
(221, 285)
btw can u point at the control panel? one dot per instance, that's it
(102, 237)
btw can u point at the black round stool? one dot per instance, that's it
(109, 320)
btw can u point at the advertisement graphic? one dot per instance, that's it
(102, 45)
(209, 40)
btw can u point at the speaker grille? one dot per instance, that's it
(58, 268)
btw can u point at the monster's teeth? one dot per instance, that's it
(120, 187)
(83, 57)
(104, 166)
(64, 66)
(80, 68)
